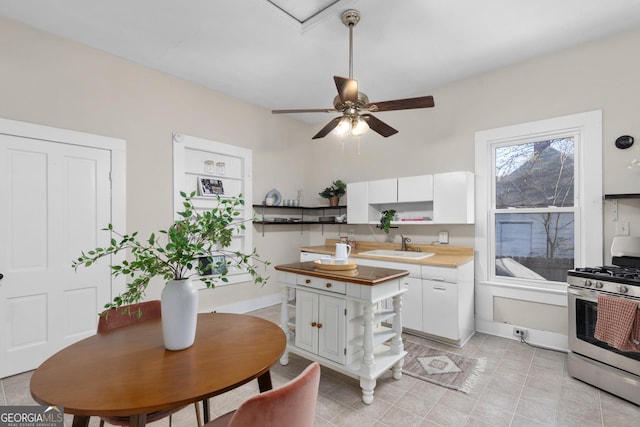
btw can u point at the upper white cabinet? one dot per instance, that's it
(453, 198)
(444, 198)
(357, 203)
(401, 190)
(415, 188)
(383, 191)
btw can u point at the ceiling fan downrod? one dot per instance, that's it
(350, 18)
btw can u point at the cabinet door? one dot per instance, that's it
(453, 198)
(331, 328)
(440, 315)
(383, 191)
(412, 304)
(415, 188)
(357, 203)
(306, 321)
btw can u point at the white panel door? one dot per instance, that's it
(331, 328)
(56, 199)
(307, 321)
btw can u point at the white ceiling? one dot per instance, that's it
(252, 50)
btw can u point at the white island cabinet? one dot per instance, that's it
(341, 322)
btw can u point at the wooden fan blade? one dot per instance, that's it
(308, 110)
(379, 126)
(347, 90)
(328, 128)
(401, 104)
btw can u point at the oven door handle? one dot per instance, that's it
(584, 294)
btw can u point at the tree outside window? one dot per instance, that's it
(534, 210)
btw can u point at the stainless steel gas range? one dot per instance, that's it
(591, 360)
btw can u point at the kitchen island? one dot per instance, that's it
(340, 318)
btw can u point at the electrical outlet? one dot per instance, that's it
(443, 237)
(520, 332)
(622, 228)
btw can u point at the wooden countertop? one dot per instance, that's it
(362, 275)
(445, 255)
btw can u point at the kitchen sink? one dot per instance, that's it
(390, 253)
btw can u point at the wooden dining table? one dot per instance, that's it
(128, 372)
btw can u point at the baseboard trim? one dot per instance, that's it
(545, 339)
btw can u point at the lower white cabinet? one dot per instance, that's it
(438, 302)
(440, 309)
(448, 303)
(412, 304)
(320, 325)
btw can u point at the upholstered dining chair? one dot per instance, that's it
(123, 316)
(290, 405)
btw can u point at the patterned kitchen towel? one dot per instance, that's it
(618, 323)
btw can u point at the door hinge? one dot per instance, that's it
(345, 351)
(345, 311)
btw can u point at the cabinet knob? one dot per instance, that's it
(307, 281)
(328, 285)
(313, 324)
(319, 325)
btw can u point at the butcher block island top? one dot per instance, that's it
(361, 275)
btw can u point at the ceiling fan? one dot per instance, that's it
(354, 105)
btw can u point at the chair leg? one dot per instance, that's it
(198, 414)
(101, 422)
(170, 420)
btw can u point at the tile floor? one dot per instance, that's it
(521, 386)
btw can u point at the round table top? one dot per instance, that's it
(128, 371)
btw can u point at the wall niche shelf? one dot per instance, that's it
(299, 215)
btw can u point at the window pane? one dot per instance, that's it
(536, 246)
(535, 174)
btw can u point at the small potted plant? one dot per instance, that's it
(334, 192)
(385, 219)
(175, 255)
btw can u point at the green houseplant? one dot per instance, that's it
(385, 219)
(175, 254)
(336, 190)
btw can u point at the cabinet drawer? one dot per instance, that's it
(324, 284)
(440, 274)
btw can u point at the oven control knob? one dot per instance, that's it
(599, 285)
(587, 283)
(623, 289)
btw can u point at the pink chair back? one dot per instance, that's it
(291, 405)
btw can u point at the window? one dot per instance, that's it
(538, 213)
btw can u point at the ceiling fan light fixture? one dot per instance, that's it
(359, 126)
(343, 127)
(354, 105)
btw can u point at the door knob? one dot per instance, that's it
(313, 324)
(1, 276)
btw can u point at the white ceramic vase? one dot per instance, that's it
(179, 314)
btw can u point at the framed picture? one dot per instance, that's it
(213, 265)
(210, 187)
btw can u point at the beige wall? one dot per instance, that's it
(50, 81)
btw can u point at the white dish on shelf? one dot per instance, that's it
(275, 195)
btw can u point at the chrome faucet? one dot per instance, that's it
(405, 240)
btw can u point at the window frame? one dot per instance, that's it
(586, 129)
